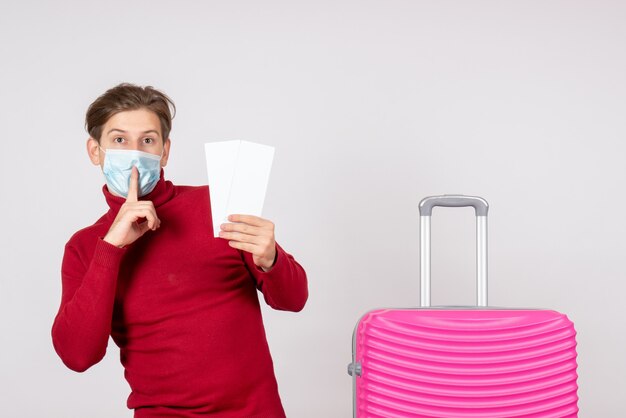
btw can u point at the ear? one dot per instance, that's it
(166, 152)
(93, 149)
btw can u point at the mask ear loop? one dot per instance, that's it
(103, 151)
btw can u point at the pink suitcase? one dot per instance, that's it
(462, 362)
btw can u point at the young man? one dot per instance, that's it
(181, 304)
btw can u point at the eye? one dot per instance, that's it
(148, 141)
(118, 140)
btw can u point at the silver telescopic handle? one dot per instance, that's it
(481, 207)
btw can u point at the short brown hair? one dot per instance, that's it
(128, 96)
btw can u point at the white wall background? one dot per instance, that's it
(372, 105)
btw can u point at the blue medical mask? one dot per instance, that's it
(118, 165)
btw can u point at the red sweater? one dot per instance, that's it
(183, 308)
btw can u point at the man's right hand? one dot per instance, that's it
(126, 227)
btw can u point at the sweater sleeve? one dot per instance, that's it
(284, 286)
(81, 329)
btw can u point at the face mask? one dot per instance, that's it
(118, 165)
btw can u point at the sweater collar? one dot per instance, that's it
(162, 193)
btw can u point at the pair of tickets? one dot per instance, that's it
(238, 174)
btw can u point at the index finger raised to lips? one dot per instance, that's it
(133, 186)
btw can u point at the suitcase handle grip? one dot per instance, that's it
(481, 207)
(479, 204)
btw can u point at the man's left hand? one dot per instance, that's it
(254, 235)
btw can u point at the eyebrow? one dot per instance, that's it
(123, 131)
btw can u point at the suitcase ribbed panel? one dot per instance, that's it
(436, 363)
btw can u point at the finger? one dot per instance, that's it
(239, 237)
(241, 227)
(144, 227)
(133, 186)
(149, 214)
(141, 204)
(131, 207)
(251, 248)
(136, 212)
(249, 219)
(152, 219)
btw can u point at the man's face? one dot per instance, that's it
(131, 130)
